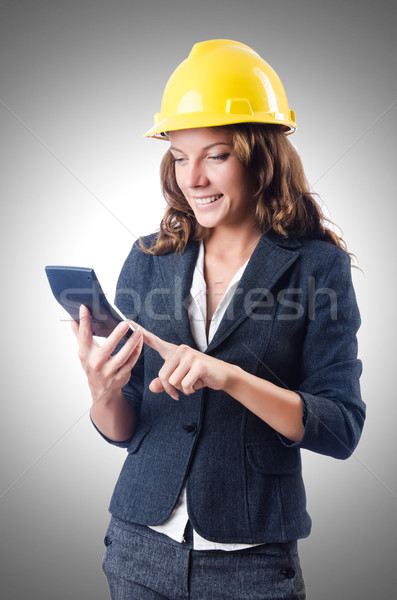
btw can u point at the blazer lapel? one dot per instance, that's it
(176, 271)
(272, 256)
(269, 261)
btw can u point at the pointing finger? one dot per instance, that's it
(161, 346)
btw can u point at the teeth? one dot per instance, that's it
(207, 200)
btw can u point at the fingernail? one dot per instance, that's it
(137, 333)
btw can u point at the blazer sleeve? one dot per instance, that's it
(334, 412)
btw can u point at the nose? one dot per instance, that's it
(195, 174)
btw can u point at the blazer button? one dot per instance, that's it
(289, 573)
(192, 428)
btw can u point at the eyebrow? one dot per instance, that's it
(206, 147)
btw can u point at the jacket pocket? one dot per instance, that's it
(138, 438)
(272, 459)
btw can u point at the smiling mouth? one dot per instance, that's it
(208, 199)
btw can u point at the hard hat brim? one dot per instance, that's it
(194, 120)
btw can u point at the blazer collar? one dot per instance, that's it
(272, 256)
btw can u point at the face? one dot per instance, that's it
(214, 182)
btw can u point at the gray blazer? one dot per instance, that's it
(292, 320)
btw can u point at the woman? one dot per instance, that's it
(245, 304)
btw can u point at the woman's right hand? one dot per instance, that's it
(106, 374)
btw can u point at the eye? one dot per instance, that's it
(219, 157)
(178, 160)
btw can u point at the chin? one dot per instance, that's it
(207, 223)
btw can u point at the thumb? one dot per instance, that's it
(156, 386)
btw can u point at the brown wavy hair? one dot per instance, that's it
(283, 201)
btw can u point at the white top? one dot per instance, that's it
(175, 525)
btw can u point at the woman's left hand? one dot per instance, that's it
(184, 368)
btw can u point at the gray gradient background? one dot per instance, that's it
(80, 82)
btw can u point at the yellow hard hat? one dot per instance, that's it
(220, 83)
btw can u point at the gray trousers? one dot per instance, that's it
(142, 564)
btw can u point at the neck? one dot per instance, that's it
(232, 244)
